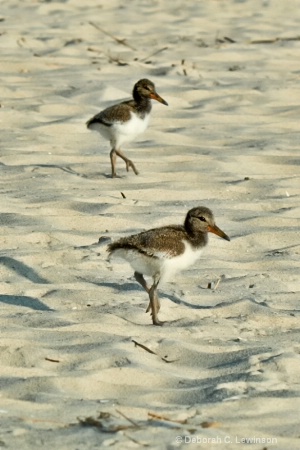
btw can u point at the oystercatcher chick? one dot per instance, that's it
(125, 121)
(162, 252)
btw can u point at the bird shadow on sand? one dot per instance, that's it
(23, 300)
(126, 287)
(69, 170)
(66, 169)
(118, 176)
(135, 287)
(36, 167)
(97, 175)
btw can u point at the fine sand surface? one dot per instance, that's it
(226, 366)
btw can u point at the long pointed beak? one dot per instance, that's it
(155, 96)
(216, 230)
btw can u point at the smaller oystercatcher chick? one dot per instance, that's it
(162, 252)
(125, 121)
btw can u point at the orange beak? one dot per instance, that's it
(155, 96)
(216, 230)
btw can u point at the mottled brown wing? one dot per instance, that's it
(164, 242)
(113, 114)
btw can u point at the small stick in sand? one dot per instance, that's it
(127, 418)
(167, 419)
(141, 444)
(152, 352)
(211, 285)
(143, 347)
(169, 360)
(119, 41)
(153, 54)
(217, 284)
(184, 70)
(52, 360)
(276, 39)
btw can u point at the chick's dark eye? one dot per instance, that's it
(202, 219)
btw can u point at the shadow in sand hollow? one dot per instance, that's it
(22, 269)
(23, 300)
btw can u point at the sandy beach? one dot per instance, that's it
(81, 365)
